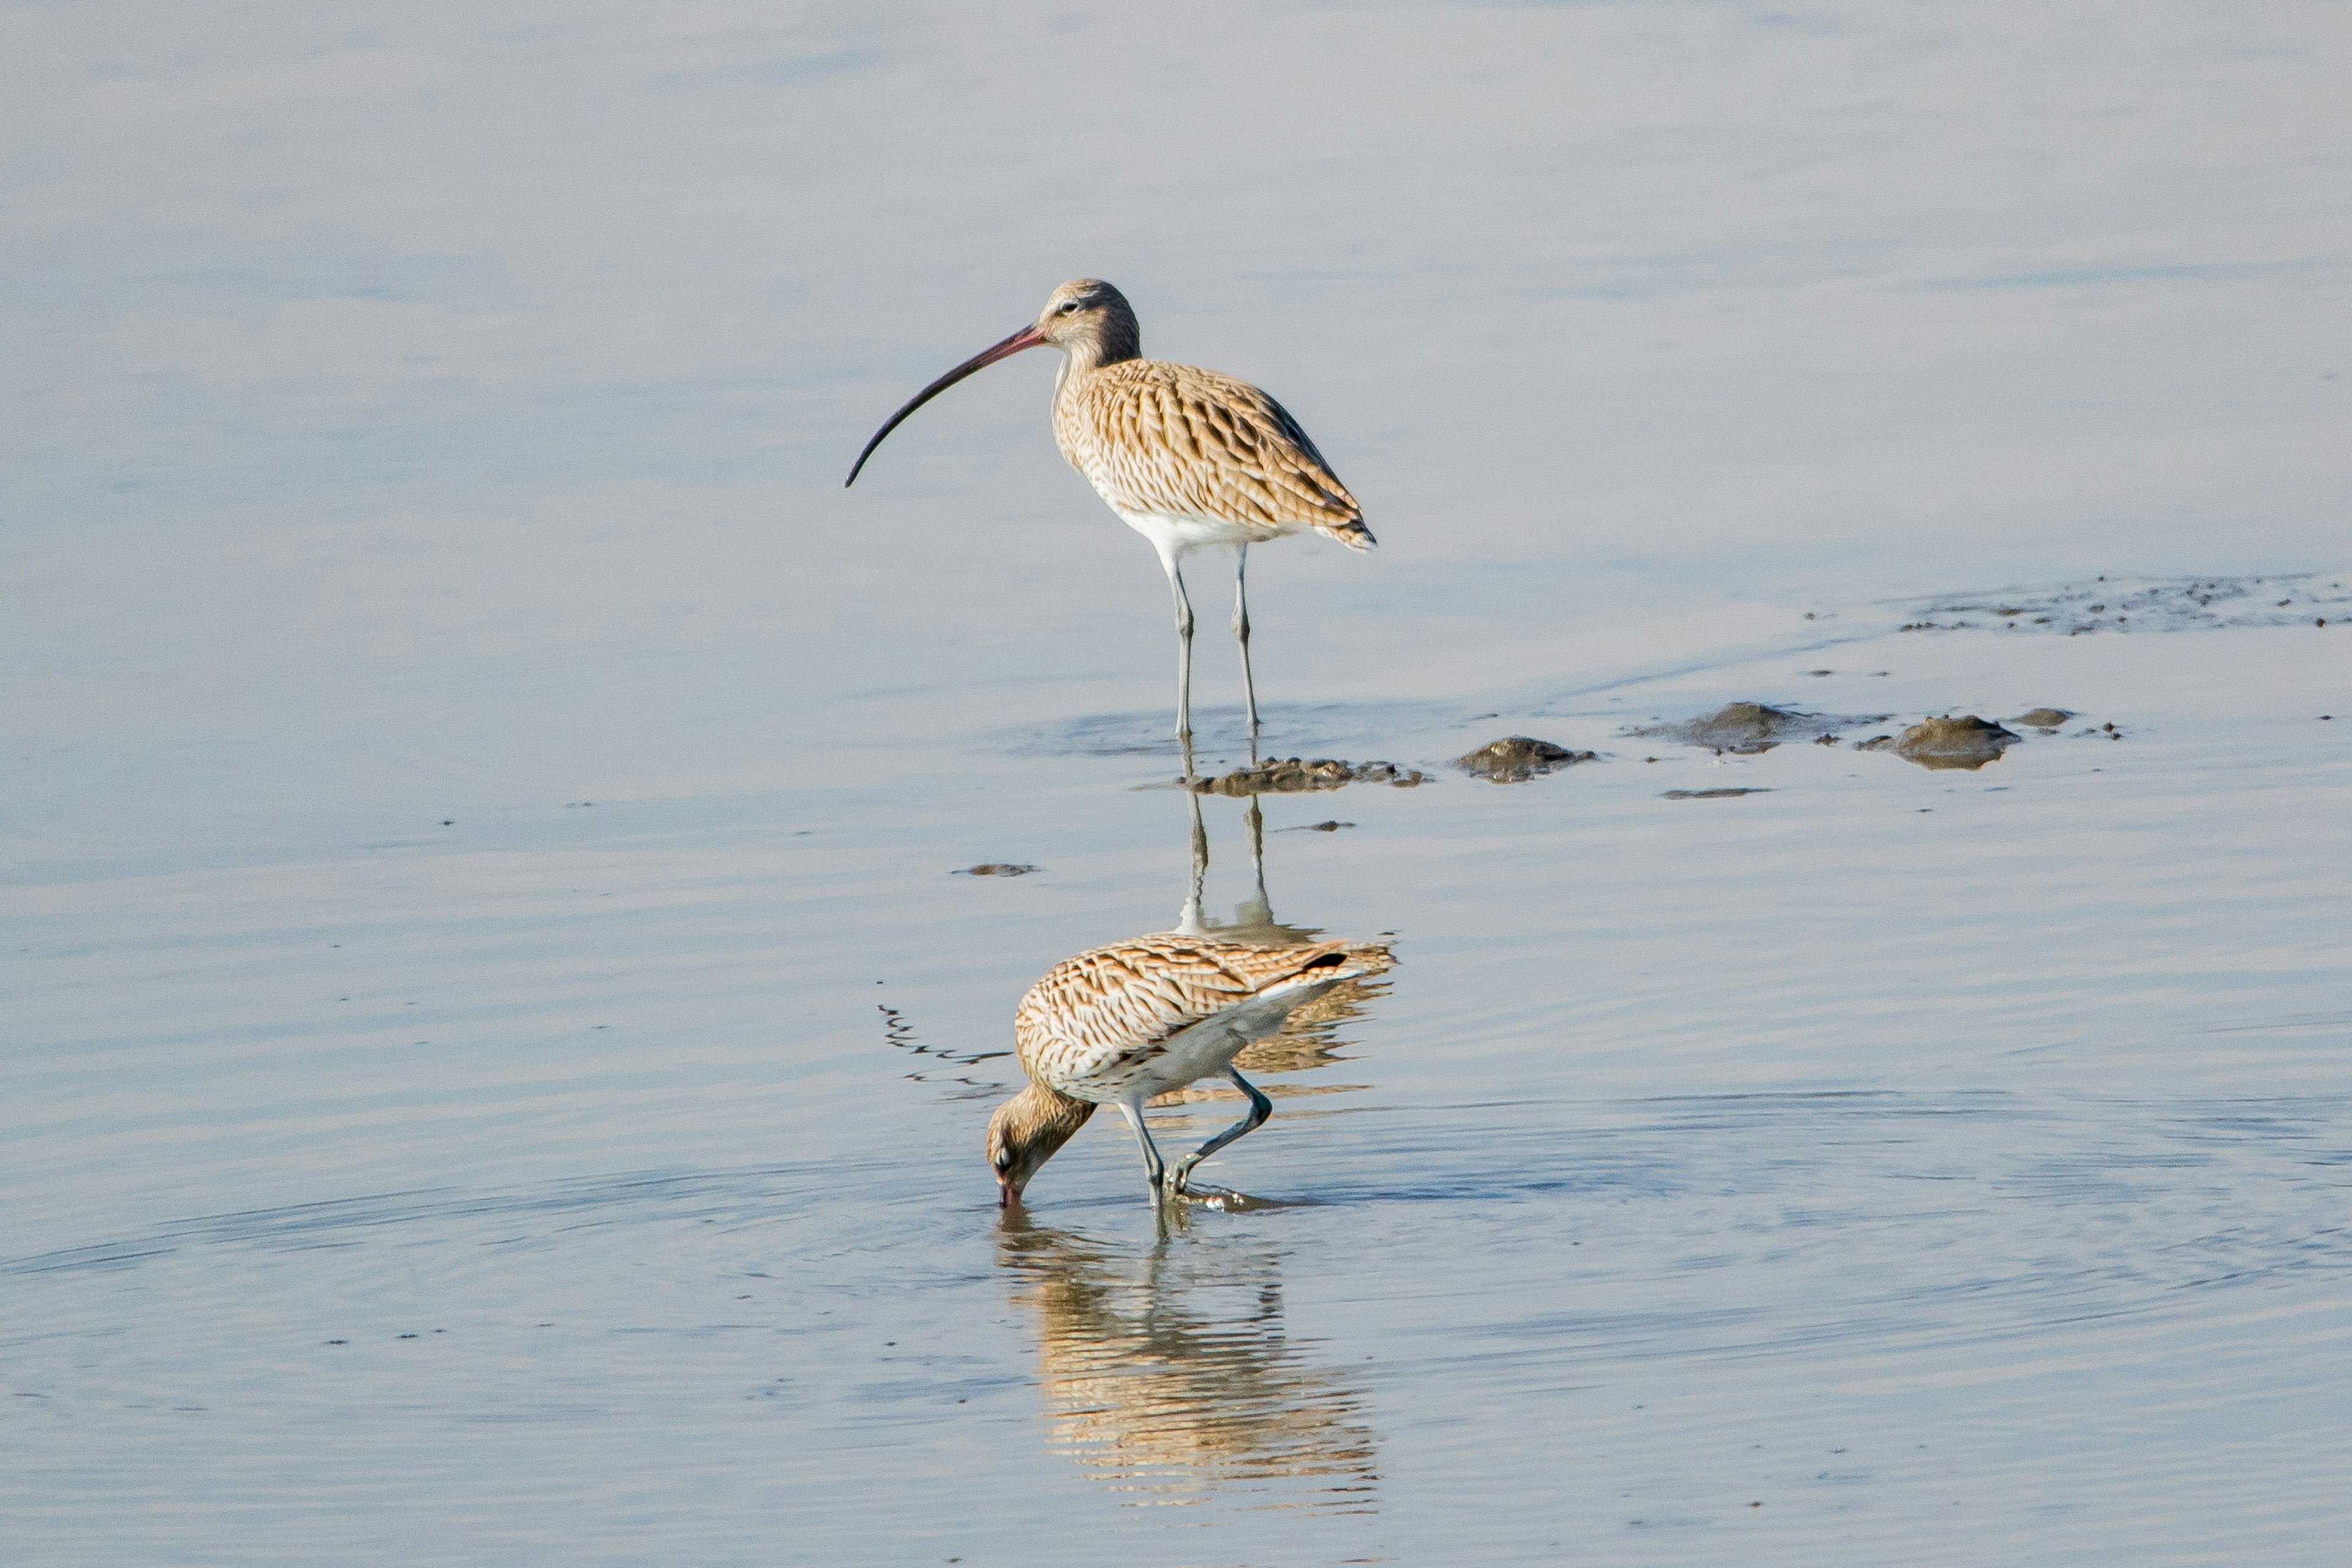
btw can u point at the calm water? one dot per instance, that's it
(496, 1046)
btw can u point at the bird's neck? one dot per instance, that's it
(1038, 1108)
(1117, 342)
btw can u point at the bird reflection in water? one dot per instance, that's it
(1168, 1372)
(1309, 1036)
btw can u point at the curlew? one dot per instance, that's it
(1187, 457)
(1124, 1023)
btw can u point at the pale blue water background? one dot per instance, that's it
(424, 424)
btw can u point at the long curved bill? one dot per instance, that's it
(1026, 338)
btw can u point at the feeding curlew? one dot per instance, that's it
(1124, 1023)
(1186, 457)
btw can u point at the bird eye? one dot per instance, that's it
(1069, 307)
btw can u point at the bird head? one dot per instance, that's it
(1087, 318)
(1024, 1133)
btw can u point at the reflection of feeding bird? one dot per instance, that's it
(1135, 1019)
(1174, 1376)
(1186, 457)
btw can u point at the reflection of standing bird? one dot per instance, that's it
(1124, 1023)
(1185, 456)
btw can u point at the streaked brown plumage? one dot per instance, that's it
(1174, 440)
(1123, 1023)
(1187, 457)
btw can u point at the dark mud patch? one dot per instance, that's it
(1711, 793)
(1297, 775)
(1331, 827)
(2140, 605)
(2046, 720)
(1966, 742)
(1747, 728)
(993, 868)
(1515, 759)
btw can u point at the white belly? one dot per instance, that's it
(1174, 536)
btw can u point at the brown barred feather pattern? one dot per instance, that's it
(1173, 439)
(1095, 1018)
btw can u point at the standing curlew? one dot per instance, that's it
(1187, 457)
(1124, 1023)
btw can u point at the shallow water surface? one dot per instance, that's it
(499, 1024)
(1710, 1174)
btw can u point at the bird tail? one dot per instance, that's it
(1287, 969)
(1351, 534)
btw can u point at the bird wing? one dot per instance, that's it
(1126, 1000)
(1185, 442)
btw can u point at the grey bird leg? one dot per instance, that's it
(1241, 635)
(1258, 911)
(1153, 1168)
(1188, 918)
(1183, 656)
(1260, 1109)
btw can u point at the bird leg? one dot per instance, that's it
(1241, 635)
(1259, 911)
(1188, 918)
(1260, 1109)
(1183, 656)
(1156, 1173)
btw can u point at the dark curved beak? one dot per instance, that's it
(1026, 338)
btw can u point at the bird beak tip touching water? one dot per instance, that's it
(1028, 337)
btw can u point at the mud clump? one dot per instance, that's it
(1710, 794)
(996, 869)
(1744, 726)
(1746, 729)
(1296, 775)
(1966, 742)
(1515, 759)
(2045, 720)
